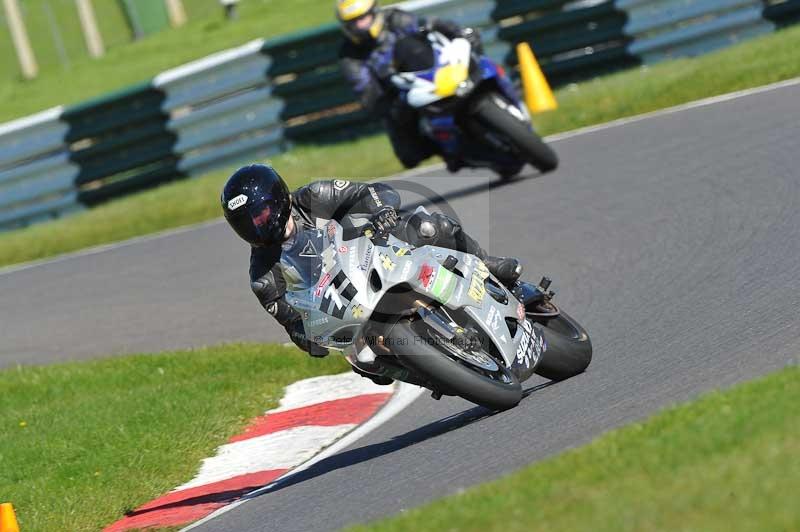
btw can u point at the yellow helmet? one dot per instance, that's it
(361, 20)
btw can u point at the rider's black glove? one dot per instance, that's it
(385, 220)
(381, 60)
(298, 335)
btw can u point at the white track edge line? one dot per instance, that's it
(418, 171)
(705, 102)
(13, 268)
(404, 395)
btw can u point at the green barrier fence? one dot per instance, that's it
(570, 44)
(306, 76)
(120, 143)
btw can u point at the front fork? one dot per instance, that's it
(364, 355)
(537, 300)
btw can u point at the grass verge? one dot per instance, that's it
(141, 60)
(753, 63)
(82, 443)
(727, 461)
(56, 36)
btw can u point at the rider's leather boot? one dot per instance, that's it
(506, 269)
(381, 380)
(454, 164)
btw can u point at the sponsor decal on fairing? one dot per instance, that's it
(531, 346)
(443, 285)
(493, 319)
(365, 264)
(318, 321)
(477, 288)
(309, 250)
(322, 284)
(426, 275)
(386, 262)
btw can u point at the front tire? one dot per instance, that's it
(491, 111)
(569, 349)
(448, 375)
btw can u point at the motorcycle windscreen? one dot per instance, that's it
(413, 54)
(302, 259)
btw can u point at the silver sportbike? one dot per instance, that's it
(429, 316)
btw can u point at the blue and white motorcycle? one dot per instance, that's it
(467, 105)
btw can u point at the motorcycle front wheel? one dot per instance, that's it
(419, 348)
(569, 349)
(492, 112)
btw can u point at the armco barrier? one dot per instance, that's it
(572, 40)
(36, 176)
(664, 29)
(252, 101)
(305, 75)
(121, 144)
(221, 109)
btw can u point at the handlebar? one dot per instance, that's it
(368, 230)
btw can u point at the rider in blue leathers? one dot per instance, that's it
(367, 58)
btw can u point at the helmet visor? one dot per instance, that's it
(263, 221)
(364, 28)
(362, 23)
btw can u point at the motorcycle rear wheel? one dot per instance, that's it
(532, 149)
(450, 376)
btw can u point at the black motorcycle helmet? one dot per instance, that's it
(257, 204)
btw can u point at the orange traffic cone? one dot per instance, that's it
(538, 94)
(8, 521)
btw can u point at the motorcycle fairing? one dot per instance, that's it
(444, 131)
(338, 298)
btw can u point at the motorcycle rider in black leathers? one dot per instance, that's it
(259, 207)
(367, 60)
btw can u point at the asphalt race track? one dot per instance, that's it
(675, 240)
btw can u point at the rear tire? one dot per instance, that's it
(451, 377)
(489, 112)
